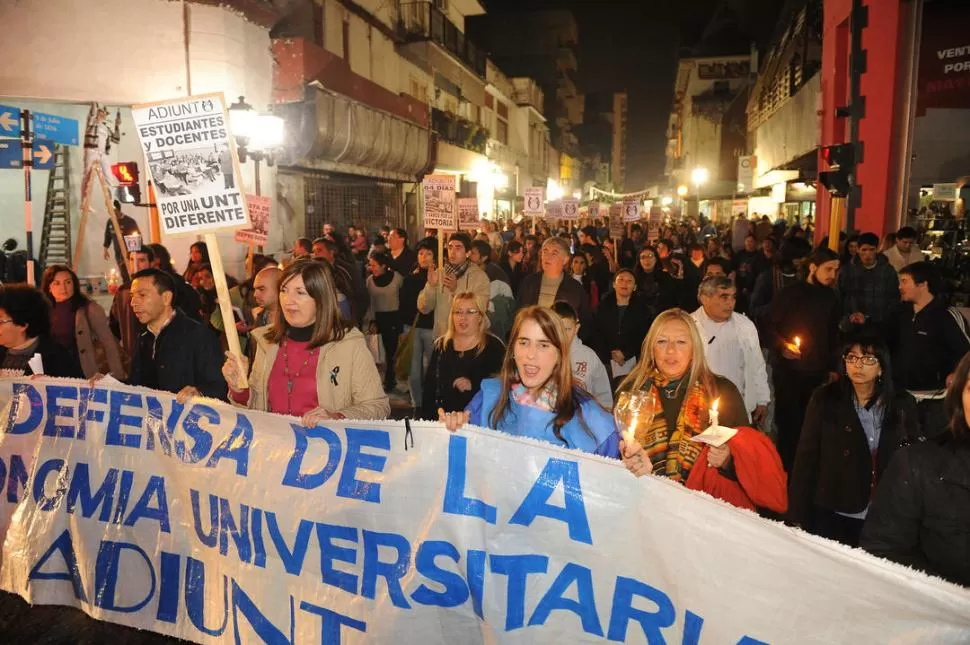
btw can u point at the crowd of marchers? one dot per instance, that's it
(842, 374)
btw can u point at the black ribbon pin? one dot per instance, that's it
(333, 375)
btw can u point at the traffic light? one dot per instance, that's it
(840, 159)
(126, 172)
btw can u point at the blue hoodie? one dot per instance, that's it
(593, 430)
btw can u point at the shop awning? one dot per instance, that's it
(331, 132)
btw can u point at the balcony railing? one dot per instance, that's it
(460, 132)
(421, 21)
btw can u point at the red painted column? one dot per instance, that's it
(877, 172)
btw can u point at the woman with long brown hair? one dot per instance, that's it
(535, 396)
(462, 358)
(310, 362)
(80, 326)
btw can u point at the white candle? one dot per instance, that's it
(629, 435)
(713, 413)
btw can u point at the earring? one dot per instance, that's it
(879, 380)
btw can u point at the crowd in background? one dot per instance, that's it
(839, 373)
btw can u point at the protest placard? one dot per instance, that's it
(439, 202)
(535, 201)
(468, 213)
(570, 209)
(259, 211)
(218, 524)
(193, 164)
(631, 210)
(616, 220)
(554, 210)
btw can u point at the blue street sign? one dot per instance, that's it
(12, 154)
(9, 121)
(58, 129)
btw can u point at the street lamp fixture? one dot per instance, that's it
(667, 200)
(700, 176)
(257, 135)
(682, 191)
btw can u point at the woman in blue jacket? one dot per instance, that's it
(534, 396)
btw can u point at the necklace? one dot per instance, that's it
(298, 374)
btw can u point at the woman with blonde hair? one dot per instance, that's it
(310, 362)
(534, 396)
(673, 370)
(464, 356)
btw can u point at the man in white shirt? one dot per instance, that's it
(588, 370)
(905, 251)
(731, 344)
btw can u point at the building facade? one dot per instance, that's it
(619, 139)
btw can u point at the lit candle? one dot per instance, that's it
(713, 413)
(629, 434)
(798, 343)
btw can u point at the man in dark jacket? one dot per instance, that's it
(869, 287)
(400, 257)
(551, 284)
(174, 352)
(929, 341)
(809, 311)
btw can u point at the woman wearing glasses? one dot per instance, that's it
(852, 428)
(464, 356)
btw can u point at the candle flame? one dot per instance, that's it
(798, 342)
(714, 404)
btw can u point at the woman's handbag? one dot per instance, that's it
(405, 350)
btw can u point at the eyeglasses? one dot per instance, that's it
(466, 312)
(868, 359)
(4, 322)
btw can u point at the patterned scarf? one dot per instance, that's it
(544, 400)
(673, 455)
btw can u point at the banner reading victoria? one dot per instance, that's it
(217, 524)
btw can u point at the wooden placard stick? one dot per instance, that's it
(225, 305)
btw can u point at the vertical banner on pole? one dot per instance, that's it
(193, 162)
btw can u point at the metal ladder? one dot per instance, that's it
(55, 240)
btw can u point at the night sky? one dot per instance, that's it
(633, 45)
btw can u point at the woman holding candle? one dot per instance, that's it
(852, 429)
(535, 396)
(672, 367)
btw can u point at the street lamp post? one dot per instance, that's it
(257, 135)
(699, 176)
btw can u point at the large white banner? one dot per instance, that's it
(214, 524)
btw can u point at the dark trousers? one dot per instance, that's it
(389, 327)
(793, 389)
(840, 528)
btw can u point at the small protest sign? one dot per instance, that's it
(193, 164)
(535, 199)
(258, 232)
(468, 213)
(570, 209)
(554, 210)
(616, 220)
(631, 210)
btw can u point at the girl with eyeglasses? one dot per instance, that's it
(462, 358)
(852, 428)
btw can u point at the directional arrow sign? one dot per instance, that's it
(9, 121)
(43, 154)
(12, 154)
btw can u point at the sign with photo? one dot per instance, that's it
(259, 210)
(439, 201)
(616, 220)
(193, 163)
(468, 213)
(631, 210)
(570, 209)
(535, 200)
